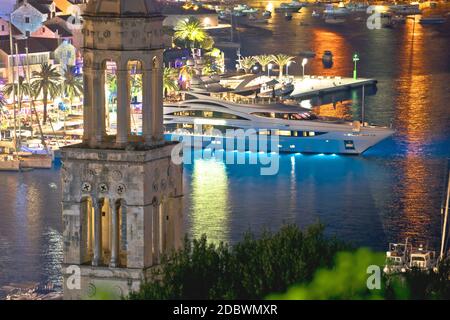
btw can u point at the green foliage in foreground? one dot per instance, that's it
(346, 280)
(289, 264)
(252, 269)
(349, 277)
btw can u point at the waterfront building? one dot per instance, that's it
(40, 50)
(4, 27)
(46, 7)
(121, 193)
(27, 18)
(71, 25)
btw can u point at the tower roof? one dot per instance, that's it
(123, 8)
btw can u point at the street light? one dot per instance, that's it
(304, 62)
(287, 67)
(355, 59)
(269, 67)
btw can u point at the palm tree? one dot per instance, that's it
(247, 63)
(136, 85)
(111, 83)
(169, 81)
(21, 88)
(282, 60)
(207, 43)
(46, 83)
(264, 60)
(72, 85)
(190, 31)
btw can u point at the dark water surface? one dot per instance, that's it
(391, 192)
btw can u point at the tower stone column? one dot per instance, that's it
(121, 194)
(123, 107)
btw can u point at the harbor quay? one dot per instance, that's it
(312, 86)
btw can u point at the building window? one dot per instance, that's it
(27, 19)
(3, 28)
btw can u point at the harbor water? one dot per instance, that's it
(391, 192)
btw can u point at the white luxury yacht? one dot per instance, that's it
(297, 129)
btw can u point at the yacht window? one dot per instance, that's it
(286, 116)
(349, 145)
(284, 133)
(309, 133)
(205, 114)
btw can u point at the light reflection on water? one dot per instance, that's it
(209, 181)
(392, 192)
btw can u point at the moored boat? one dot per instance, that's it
(334, 20)
(402, 258)
(293, 6)
(9, 163)
(295, 129)
(432, 20)
(327, 56)
(405, 9)
(267, 14)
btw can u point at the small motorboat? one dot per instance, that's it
(334, 20)
(387, 20)
(267, 14)
(223, 15)
(250, 11)
(402, 258)
(9, 163)
(327, 57)
(315, 14)
(399, 19)
(253, 19)
(432, 20)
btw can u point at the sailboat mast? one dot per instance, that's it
(32, 105)
(19, 96)
(445, 212)
(11, 49)
(363, 110)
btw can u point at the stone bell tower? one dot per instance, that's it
(121, 192)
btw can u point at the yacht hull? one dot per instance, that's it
(330, 143)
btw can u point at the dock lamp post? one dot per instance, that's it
(287, 67)
(355, 60)
(269, 67)
(304, 62)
